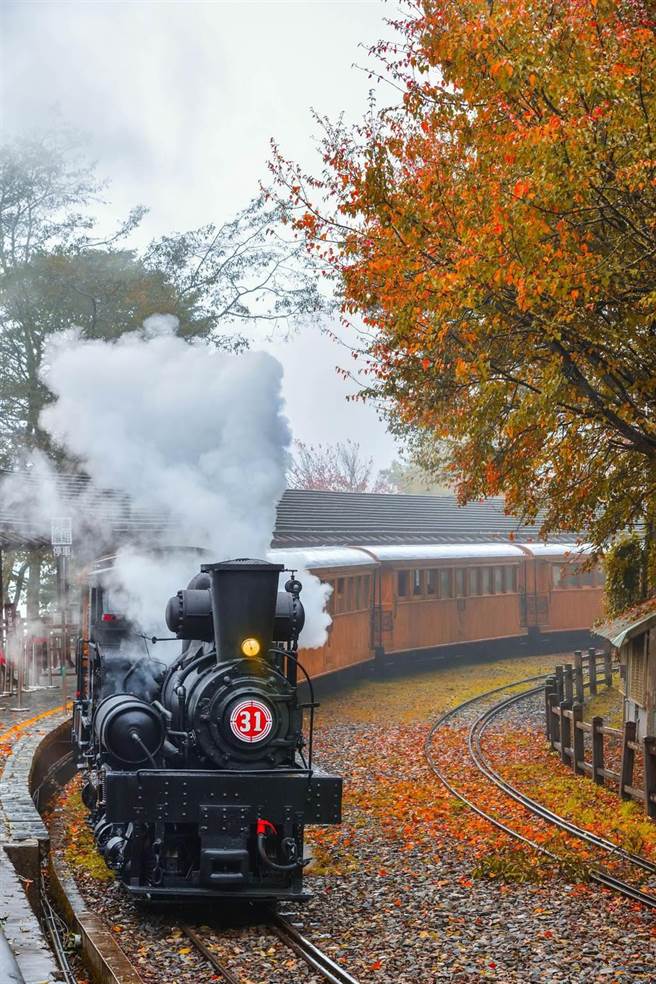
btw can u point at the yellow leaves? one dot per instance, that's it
(184, 950)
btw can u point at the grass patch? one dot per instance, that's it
(80, 851)
(609, 704)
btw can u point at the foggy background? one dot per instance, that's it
(179, 101)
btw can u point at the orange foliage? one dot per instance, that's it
(495, 230)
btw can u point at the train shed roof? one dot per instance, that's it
(308, 518)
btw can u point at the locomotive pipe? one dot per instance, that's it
(263, 827)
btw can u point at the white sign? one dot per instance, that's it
(61, 531)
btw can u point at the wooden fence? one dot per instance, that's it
(567, 731)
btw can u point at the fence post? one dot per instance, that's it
(578, 674)
(578, 744)
(608, 669)
(592, 670)
(549, 689)
(556, 729)
(559, 682)
(565, 730)
(568, 683)
(628, 759)
(597, 750)
(650, 776)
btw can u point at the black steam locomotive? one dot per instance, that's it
(197, 774)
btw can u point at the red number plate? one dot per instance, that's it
(251, 720)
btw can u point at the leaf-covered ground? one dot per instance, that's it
(413, 886)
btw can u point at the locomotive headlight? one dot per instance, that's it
(250, 647)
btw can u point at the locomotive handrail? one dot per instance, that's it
(313, 703)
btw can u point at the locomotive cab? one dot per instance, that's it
(201, 783)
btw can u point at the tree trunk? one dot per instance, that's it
(34, 586)
(20, 581)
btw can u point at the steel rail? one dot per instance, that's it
(308, 952)
(291, 938)
(212, 958)
(601, 877)
(484, 765)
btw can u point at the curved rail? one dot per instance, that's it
(295, 941)
(484, 765)
(597, 875)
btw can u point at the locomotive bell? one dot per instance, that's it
(244, 594)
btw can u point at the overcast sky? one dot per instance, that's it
(180, 100)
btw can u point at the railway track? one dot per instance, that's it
(484, 767)
(284, 931)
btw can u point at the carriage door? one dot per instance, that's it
(382, 611)
(534, 595)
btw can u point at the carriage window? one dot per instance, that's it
(330, 604)
(366, 591)
(513, 579)
(445, 584)
(355, 595)
(339, 595)
(474, 579)
(403, 584)
(431, 582)
(460, 582)
(417, 582)
(499, 580)
(568, 576)
(486, 580)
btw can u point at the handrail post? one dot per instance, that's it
(549, 690)
(556, 729)
(628, 759)
(578, 744)
(650, 776)
(565, 730)
(608, 669)
(559, 682)
(592, 670)
(578, 675)
(597, 750)
(568, 683)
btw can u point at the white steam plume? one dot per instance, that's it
(194, 436)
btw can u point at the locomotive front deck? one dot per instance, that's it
(219, 813)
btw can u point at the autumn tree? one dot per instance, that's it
(494, 230)
(407, 478)
(57, 269)
(339, 467)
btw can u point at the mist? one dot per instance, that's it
(197, 438)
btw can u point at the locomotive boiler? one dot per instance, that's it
(198, 775)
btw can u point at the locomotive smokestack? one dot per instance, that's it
(244, 594)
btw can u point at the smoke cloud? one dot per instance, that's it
(194, 437)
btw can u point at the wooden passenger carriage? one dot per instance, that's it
(417, 576)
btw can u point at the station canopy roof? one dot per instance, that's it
(75, 497)
(304, 518)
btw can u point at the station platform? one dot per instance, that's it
(25, 954)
